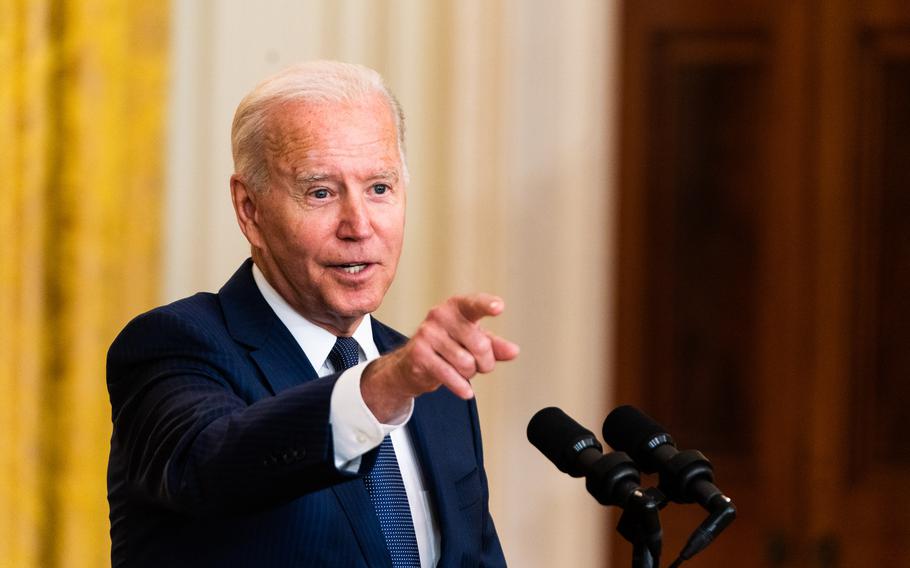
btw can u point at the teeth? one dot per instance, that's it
(354, 269)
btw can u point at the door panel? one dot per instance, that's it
(862, 506)
(764, 248)
(710, 255)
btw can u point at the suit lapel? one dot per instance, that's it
(386, 338)
(252, 322)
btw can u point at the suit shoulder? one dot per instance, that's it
(197, 316)
(203, 305)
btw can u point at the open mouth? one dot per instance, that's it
(352, 268)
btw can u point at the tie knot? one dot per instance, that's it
(345, 353)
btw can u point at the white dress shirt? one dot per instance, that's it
(355, 430)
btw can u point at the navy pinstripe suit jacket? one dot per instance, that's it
(222, 453)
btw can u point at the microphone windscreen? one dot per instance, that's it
(630, 430)
(561, 439)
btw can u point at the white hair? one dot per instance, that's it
(312, 81)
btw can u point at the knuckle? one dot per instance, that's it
(466, 367)
(426, 331)
(436, 313)
(420, 351)
(423, 329)
(480, 344)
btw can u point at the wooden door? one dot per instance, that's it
(859, 503)
(764, 265)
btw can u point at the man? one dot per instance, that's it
(260, 426)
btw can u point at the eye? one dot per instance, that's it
(320, 193)
(381, 188)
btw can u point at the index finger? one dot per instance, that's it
(476, 306)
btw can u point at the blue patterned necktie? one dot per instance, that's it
(384, 484)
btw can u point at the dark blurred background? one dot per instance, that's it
(764, 266)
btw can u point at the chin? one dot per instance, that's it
(355, 308)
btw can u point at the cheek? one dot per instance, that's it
(393, 229)
(307, 240)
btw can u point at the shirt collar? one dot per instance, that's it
(315, 341)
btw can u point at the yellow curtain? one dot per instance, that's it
(82, 93)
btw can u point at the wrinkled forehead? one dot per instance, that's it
(302, 128)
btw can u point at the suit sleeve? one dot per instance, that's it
(185, 435)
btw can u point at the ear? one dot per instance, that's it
(245, 203)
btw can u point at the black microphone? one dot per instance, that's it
(685, 477)
(612, 479)
(570, 446)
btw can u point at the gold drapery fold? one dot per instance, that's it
(25, 61)
(82, 96)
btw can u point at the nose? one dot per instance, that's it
(354, 223)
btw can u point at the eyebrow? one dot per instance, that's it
(390, 175)
(314, 177)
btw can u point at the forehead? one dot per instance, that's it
(305, 136)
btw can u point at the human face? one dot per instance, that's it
(327, 233)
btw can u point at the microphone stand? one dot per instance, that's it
(613, 479)
(640, 525)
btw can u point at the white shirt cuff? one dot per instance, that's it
(355, 431)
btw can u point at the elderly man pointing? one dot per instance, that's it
(276, 423)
